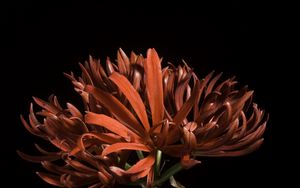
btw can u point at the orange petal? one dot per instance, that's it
(154, 85)
(109, 66)
(116, 108)
(133, 97)
(139, 175)
(110, 124)
(139, 167)
(74, 111)
(124, 146)
(46, 105)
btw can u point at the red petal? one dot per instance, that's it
(187, 162)
(212, 84)
(139, 167)
(38, 159)
(110, 124)
(181, 87)
(74, 111)
(51, 179)
(187, 106)
(46, 105)
(124, 146)
(150, 178)
(123, 62)
(133, 97)
(108, 139)
(113, 105)
(154, 85)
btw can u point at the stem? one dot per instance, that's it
(127, 166)
(167, 174)
(158, 160)
(140, 154)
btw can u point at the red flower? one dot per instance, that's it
(135, 105)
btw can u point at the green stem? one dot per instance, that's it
(140, 154)
(158, 161)
(167, 174)
(127, 166)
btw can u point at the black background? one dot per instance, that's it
(231, 37)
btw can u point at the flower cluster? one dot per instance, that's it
(138, 114)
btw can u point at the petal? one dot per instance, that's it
(105, 138)
(247, 150)
(113, 105)
(203, 83)
(94, 69)
(51, 108)
(182, 114)
(43, 151)
(74, 111)
(110, 124)
(38, 159)
(150, 178)
(139, 175)
(30, 129)
(212, 84)
(124, 146)
(186, 162)
(181, 87)
(85, 75)
(80, 166)
(123, 62)
(109, 66)
(241, 152)
(51, 179)
(187, 106)
(154, 85)
(139, 167)
(133, 97)
(133, 57)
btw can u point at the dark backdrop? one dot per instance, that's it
(230, 37)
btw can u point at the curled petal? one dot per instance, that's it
(125, 146)
(51, 179)
(38, 159)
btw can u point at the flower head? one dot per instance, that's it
(135, 112)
